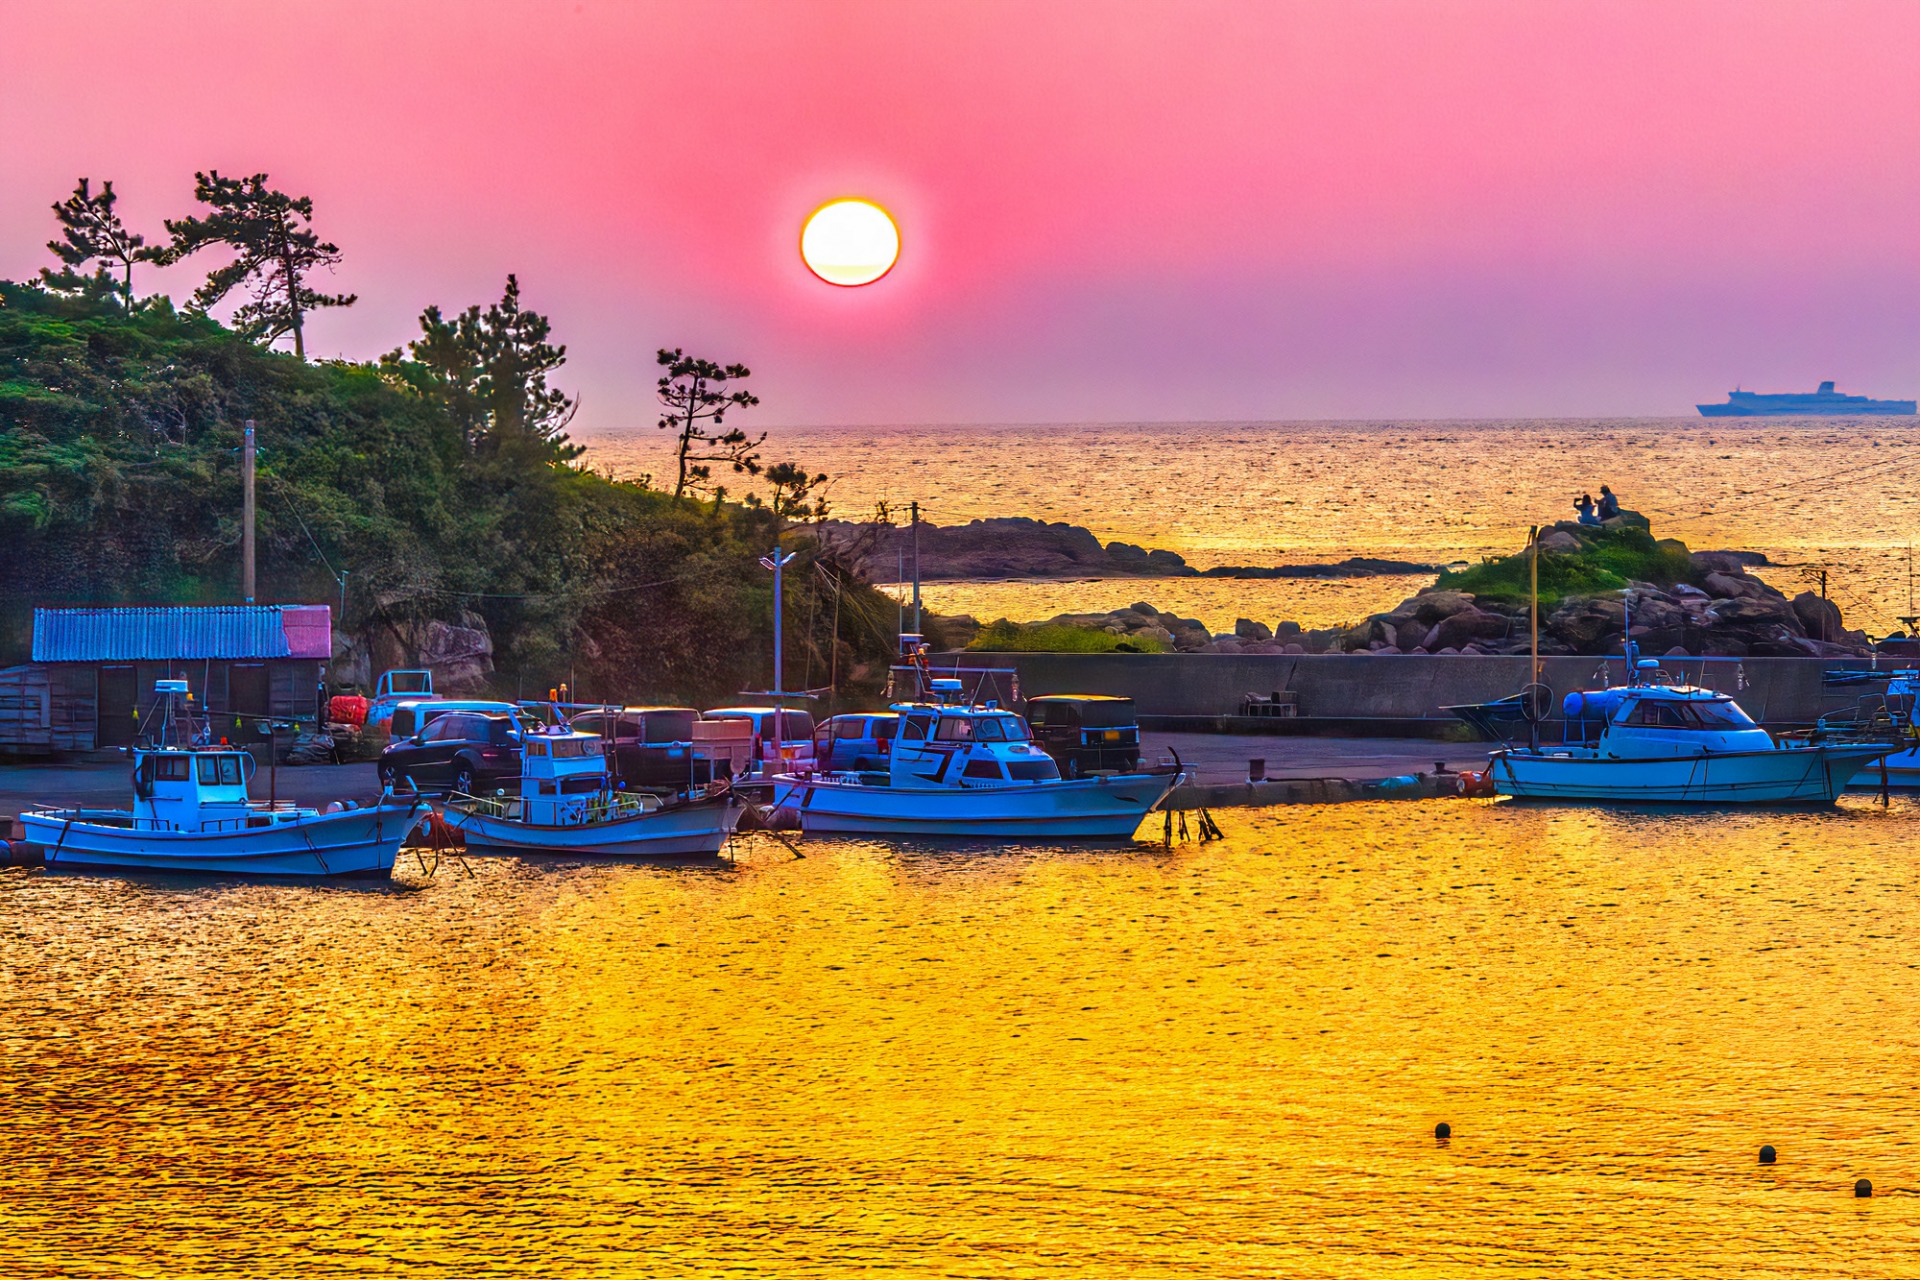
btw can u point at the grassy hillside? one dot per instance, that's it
(120, 483)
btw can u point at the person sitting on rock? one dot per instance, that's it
(1609, 505)
(1585, 508)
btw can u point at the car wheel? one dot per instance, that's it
(464, 778)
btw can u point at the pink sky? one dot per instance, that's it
(1111, 211)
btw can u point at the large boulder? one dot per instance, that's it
(1434, 604)
(1585, 622)
(1248, 629)
(1748, 611)
(1729, 586)
(460, 657)
(1819, 618)
(1457, 630)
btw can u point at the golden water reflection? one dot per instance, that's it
(1212, 1060)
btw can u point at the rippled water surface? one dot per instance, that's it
(1221, 1059)
(1839, 493)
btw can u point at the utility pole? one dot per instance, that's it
(246, 515)
(916, 569)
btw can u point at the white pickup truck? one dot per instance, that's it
(396, 687)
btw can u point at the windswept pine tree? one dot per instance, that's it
(272, 236)
(697, 398)
(91, 231)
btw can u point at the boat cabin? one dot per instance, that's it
(181, 789)
(952, 746)
(563, 773)
(1650, 720)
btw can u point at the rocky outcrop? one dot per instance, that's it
(1352, 567)
(1018, 547)
(1011, 547)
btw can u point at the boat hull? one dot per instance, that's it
(356, 842)
(1088, 809)
(685, 830)
(1903, 772)
(1796, 775)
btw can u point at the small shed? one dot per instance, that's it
(93, 671)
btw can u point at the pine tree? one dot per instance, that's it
(89, 229)
(695, 393)
(489, 370)
(272, 233)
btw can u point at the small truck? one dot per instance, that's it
(396, 687)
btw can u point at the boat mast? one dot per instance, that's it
(1533, 555)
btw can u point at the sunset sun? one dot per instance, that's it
(850, 242)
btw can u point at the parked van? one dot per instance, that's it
(1086, 732)
(796, 737)
(668, 748)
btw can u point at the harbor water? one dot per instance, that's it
(1209, 1060)
(1843, 494)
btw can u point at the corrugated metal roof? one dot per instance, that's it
(158, 634)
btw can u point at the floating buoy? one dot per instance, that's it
(1862, 1189)
(1443, 1131)
(1766, 1155)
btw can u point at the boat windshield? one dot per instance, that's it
(1000, 729)
(218, 771)
(1719, 714)
(1723, 713)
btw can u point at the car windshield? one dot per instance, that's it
(407, 681)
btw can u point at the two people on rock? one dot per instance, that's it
(1609, 507)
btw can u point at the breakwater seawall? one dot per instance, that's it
(1400, 693)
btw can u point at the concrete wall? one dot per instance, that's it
(1775, 691)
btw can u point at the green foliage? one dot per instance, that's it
(1608, 560)
(488, 372)
(271, 234)
(1010, 637)
(119, 483)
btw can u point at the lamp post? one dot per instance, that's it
(777, 562)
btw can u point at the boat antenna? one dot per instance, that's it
(915, 507)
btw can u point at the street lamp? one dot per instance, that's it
(777, 562)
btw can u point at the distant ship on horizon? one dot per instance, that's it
(1826, 403)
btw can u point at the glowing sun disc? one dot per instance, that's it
(850, 242)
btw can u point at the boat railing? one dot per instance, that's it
(604, 808)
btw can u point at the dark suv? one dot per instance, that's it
(1085, 732)
(650, 748)
(461, 752)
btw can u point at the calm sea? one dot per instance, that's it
(1214, 1060)
(1812, 493)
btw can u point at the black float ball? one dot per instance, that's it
(1766, 1155)
(1862, 1189)
(1443, 1130)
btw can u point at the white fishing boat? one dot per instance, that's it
(1893, 719)
(567, 804)
(1654, 742)
(191, 812)
(970, 771)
